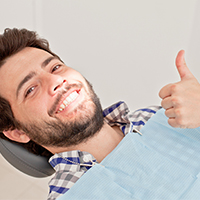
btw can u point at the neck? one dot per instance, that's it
(100, 145)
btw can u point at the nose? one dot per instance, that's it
(59, 85)
(56, 83)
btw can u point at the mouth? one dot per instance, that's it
(67, 101)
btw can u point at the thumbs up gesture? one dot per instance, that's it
(181, 100)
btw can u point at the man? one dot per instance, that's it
(44, 103)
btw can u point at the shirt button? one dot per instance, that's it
(86, 159)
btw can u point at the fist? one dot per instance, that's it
(181, 100)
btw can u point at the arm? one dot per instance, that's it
(182, 99)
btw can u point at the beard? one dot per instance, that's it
(87, 122)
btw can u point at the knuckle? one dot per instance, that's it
(173, 88)
(175, 100)
(180, 121)
(178, 112)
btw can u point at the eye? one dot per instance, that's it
(29, 91)
(55, 68)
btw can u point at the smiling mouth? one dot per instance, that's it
(69, 99)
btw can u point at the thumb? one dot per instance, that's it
(182, 68)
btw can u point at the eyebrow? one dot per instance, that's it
(32, 74)
(47, 61)
(25, 79)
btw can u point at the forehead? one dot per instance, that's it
(17, 66)
(28, 55)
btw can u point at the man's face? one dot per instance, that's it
(48, 98)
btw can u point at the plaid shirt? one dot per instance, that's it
(70, 166)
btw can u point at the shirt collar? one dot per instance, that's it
(117, 115)
(76, 161)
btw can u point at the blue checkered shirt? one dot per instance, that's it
(71, 165)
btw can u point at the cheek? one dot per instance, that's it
(34, 111)
(38, 109)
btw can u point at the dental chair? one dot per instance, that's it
(26, 162)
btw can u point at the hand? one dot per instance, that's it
(182, 99)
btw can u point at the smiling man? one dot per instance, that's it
(46, 103)
(52, 109)
(50, 98)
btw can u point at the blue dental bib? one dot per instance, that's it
(162, 164)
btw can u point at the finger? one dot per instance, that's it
(182, 68)
(167, 102)
(172, 122)
(165, 91)
(170, 113)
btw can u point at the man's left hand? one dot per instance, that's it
(181, 100)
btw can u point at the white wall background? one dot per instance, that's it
(125, 48)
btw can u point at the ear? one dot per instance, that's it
(17, 135)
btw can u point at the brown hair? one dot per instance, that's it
(11, 42)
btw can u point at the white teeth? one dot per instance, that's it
(67, 101)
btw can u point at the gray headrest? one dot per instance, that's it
(25, 161)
